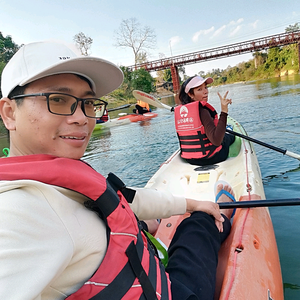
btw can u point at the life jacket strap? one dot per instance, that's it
(118, 185)
(139, 272)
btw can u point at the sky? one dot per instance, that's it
(180, 26)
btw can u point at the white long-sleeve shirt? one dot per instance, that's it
(50, 244)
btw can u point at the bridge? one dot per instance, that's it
(259, 44)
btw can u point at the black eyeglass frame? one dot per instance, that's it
(77, 100)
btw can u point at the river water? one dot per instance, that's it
(269, 111)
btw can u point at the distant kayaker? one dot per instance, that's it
(66, 231)
(141, 107)
(201, 133)
(104, 116)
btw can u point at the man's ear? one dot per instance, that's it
(7, 112)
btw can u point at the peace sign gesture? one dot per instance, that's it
(224, 102)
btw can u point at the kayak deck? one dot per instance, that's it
(249, 266)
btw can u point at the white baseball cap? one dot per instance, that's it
(37, 60)
(196, 81)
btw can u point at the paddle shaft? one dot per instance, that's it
(260, 203)
(283, 151)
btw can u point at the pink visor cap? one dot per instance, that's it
(196, 81)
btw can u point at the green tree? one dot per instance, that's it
(167, 75)
(142, 80)
(126, 85)
(7, 48)
(274, 61)
(259, 58)
(292, 28)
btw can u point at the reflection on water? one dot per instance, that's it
(283, 177)
(291, 286)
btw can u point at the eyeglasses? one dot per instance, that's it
(65, 104)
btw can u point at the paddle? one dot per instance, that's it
(139, 95)
(283, 151)
(260, 203)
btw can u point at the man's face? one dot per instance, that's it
(37, 131)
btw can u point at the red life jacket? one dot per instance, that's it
(104, 118)
(191, 133)
(130, 269)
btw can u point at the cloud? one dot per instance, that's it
(175, 40)
(218, 31)
(202, 32)
(233, 27)
(234, 31)
(254, 25)
(233, 23)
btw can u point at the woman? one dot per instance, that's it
(201, 133)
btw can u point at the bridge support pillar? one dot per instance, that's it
(175, 79)
(299, 56)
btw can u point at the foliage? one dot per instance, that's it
(265, 64)
(132, 35)
(292, 28)
(142, 57)
(7, 49)
(83, 42)
(142, 80)
(167, 75)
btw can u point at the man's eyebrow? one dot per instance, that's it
(67, 90)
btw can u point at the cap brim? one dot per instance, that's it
(104, 76)
(209, 80)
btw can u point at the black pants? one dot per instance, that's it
(218, 157)
(193, 257)
(140, 110)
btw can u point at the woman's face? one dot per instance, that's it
(199, 93)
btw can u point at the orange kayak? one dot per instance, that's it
(249, 266)
(125, 120)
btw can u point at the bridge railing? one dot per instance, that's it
(222, 51)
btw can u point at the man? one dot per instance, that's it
(141, 107)
(65, 232)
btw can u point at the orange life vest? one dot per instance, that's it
(194, 143)
(130, 269)
(143, 104)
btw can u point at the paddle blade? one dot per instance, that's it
(139, 95)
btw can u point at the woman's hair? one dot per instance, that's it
(183, 96)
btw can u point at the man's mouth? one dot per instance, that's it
(72, 137)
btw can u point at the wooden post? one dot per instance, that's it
(299, 56)
(176, 83)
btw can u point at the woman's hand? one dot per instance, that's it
(224, 102)
(208, 207)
